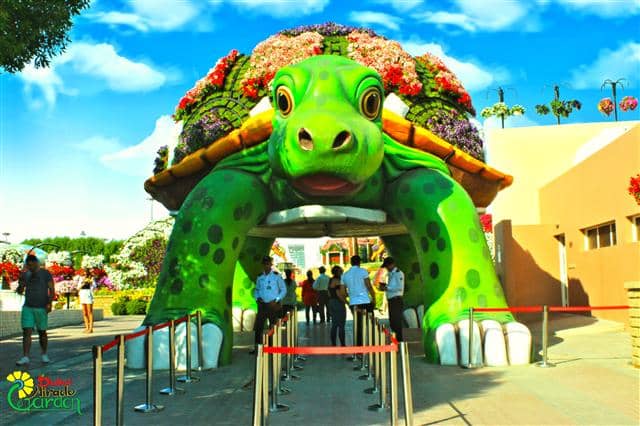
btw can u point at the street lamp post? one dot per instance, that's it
(614, 85)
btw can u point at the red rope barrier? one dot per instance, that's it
(109, 345)
(584, 308)
(161, 326)
(136, 334)
(513, 309)
(329, 350)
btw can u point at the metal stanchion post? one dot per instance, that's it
(275, 406)
(148, 406)
(172, 389)
(265, 381)
(188, 378)
(545, 337)
(470, 363)
(355, 313)
(281, 389)
(296, 343)
(394, 385)
(363, 359)
(370, 323)
(257, 390)
(288, 375)
(376, 361)
(382, 405)
(97, 385)
(200, 341)
(406, 385)
(120, 383)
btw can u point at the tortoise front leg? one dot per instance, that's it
(211, 228)
(455, 264)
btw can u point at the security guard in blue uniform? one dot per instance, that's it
(269, 292)
(395, 290)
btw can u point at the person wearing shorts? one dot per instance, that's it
(37, 285)
(86, 286)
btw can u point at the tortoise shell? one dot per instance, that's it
(217, 122)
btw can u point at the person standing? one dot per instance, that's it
(269, 292)
(337, 302)
(37, 285)
(321, 285)
(290, 299)
(86, 286)
(361, 295)
(309, 297)
(395, 290)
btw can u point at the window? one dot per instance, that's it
(600, 236)
(635, 224)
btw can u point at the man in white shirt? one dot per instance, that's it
(321, 285)
(361, 295)
(395, 290)
(269, 292)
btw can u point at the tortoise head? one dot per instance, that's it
(327, 130)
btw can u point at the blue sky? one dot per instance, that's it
(78, 139)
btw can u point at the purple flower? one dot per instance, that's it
(327, 29)
(458, 131)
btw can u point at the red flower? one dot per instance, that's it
(486, 221)
(9, 271)
(634, 187)
(185, 101)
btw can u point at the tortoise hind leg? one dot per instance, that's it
(197, 272)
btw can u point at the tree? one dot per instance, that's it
(35, 30)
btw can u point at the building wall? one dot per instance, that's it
(556, 191)
(591, 193)
(535, 156)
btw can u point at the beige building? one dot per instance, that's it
(567, 231)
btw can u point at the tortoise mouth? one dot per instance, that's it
(325, 185)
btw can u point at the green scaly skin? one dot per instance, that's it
(209, 240)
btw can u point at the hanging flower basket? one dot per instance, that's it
(605, 106)
(628, 103)
(634, 187)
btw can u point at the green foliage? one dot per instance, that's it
(85, 245)
(35, 30)
(136, 307)
(119, 308)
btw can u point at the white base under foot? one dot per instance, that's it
(211, 338)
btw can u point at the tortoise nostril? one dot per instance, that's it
(343, 138)
(304, 139)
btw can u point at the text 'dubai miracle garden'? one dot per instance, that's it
(333, 116)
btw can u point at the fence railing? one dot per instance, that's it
(545, 309)
(119, 342)
(377, 344)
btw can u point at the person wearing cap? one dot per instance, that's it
(37, 285)
(394, 289)
(269, 292)
(361, 295)
(321, 285)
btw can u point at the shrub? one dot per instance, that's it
(136, 307)
(119, 308)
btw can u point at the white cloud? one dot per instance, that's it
(281, 8)
(401, 5)
(603, 8)
(473, 76)
(148, 15)
(613, 64)
(487, 15)
(137, 160)
(99, 145)
(99, 63)
(366, 18)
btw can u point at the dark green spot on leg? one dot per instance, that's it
(203, 249)
(235, 242)
(433, 230)
(218, 256)
(176, 286)
(434, 270)
(214, 234)
(424, 244)
(473, 278)
(441, 244)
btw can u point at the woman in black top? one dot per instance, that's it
(337, 309)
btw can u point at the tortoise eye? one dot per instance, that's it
(284, 100)
(370, 103)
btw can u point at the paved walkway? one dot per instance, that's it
(592, 383)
